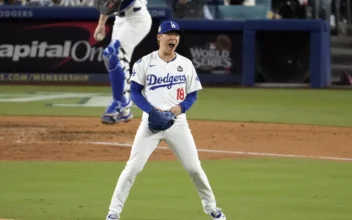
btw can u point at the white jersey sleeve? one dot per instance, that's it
(193, 82)
(138, 72)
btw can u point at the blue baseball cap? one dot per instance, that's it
(168, 26)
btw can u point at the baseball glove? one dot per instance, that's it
(160, 120)
(108, 7)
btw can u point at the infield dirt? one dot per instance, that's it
(70, 139)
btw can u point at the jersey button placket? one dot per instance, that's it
(165, 88)
(169, 91)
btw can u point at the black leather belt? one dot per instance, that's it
(123, 14)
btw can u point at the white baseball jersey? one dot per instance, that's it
(166, 84)
(139, 3)
(130, 30)
(126, 4)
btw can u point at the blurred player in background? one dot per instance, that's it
(132, 24)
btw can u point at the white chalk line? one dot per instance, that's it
(248, 153)
(233, 152)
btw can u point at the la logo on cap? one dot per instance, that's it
(172, 24)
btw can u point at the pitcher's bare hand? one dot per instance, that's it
(176, 110)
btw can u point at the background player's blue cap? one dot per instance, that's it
(168, 26)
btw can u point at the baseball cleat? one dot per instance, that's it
(218, 215)
(125, 116)
(112, 217)
(109, 120)
(116, 107)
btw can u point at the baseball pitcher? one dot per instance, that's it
(164, 85)
(132, 24)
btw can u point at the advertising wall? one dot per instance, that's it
(68, 47)
(40, 47)
(56, 45)
(48, 46)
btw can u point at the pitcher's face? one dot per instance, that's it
(169, 41)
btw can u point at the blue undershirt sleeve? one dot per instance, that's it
(189, 101)
(138, 98)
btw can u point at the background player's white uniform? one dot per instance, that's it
(132, 24)
(130, 30)
(166, 84)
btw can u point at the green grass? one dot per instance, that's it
(302, 106)
(254, 188)
(246, 189)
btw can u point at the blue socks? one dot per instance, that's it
(116, 73)
(117, 83)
